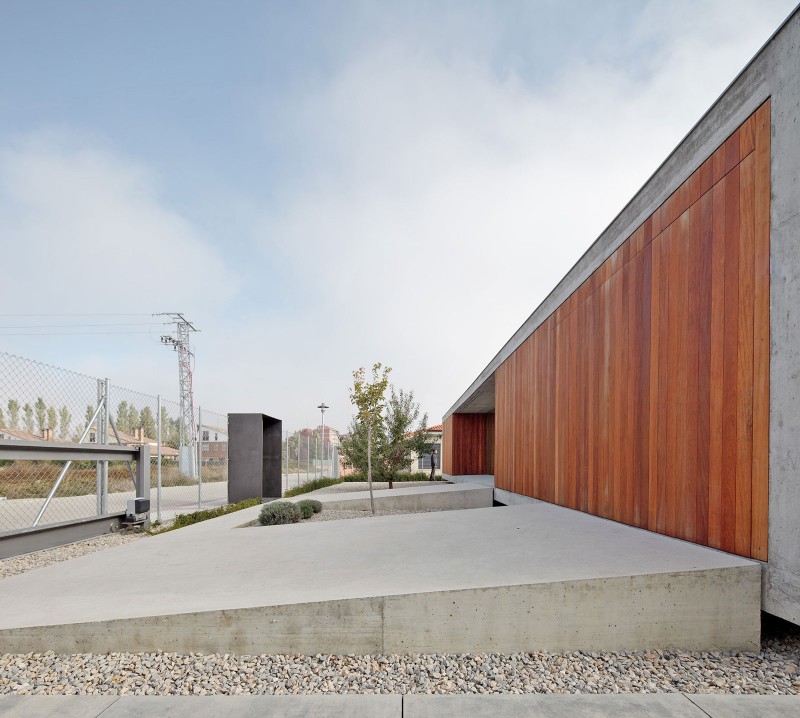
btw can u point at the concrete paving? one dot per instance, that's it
(534, 577)
(672, 705)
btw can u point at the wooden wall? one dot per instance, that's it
(645, 397)
(468, 444)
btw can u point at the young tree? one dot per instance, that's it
(148, 422)
(134, 420)
(122, 417)
(402, 414)
(52, 418)
(13, 414)
(65, 419)
(41, 414)
(27, 412)
(368, 398)
(2, 419)
(399, 433)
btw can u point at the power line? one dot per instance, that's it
(95, 314)
(70, 326)
(63, 334)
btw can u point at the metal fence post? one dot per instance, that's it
(99, 484)
(105, 414)
(199, 457)
(158, 459)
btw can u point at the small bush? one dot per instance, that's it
(182, 520)
(312, 485)
(306, 512)
(279, 512)
(400, 476)
(308, 507)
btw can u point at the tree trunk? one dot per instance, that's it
(369, 467)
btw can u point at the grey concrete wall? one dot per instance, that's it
(443, 498)
(713, 609)
(774, 73)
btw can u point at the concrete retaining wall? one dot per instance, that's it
(714, 609)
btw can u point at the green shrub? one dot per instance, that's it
(182, 520)
(312, 485)
(279, 512)
(308, 507)
(306, 512)
(399, 476)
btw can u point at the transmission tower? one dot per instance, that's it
(187, 435)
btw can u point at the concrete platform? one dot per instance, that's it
(522, 578)
(669, 705)
(438, 495)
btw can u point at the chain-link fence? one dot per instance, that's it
(307, 457)
(44, 403)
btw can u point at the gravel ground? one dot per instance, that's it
(30, 561)
(774, 670)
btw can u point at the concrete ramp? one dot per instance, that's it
(522, 578)
(418, 498)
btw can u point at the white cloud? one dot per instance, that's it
(432, 204)
(85, 230)
(446, 203)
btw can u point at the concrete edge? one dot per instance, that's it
(713, 609)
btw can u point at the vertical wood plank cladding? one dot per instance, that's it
(715, 503)
(760, 469)
(464, 450)
(645, 396)
(730, 369)
(703, 366)
(489, 419)
(744, 416)
(447, 446)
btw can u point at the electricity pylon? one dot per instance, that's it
(187, 434)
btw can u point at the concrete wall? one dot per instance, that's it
(688, 610)
(774, 73)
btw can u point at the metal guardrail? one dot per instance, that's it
(52, 451)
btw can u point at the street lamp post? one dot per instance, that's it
(322, 408)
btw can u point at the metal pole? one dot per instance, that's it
(308, 456)
(287, 460)
(158, 459)
(316, 453)
(322, 408)
(298, 457)
(99, 481)
(105, 415)
(199, 457)
(63, 472)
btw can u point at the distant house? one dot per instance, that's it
(213, 444)
(20, 435)
(137, 438)
(423, 463)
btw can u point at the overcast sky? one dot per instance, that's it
(319, 186)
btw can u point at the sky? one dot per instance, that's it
(320, 186)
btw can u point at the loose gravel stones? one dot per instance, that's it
(769, 672)
(30, 561)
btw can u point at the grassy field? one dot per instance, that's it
(34, 479)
